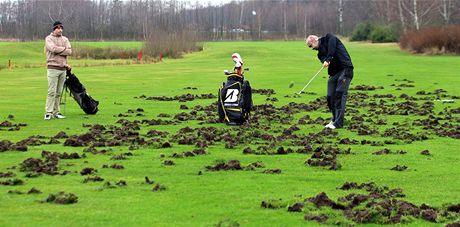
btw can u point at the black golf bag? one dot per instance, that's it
(78, 91)
(235, 100)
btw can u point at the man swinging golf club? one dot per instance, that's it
(334, 56)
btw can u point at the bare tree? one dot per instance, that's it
(445, 8)
(401, 16)
(285, 19)
(340, 12)
(418, 12)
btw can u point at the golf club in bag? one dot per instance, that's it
(321, 69)
(235, 95)
(78, 91)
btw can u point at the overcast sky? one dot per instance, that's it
(213, 2)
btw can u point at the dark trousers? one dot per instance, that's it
(337, 92)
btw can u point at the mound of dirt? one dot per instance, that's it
(380, 206)
(399, 168)
(322, 218)
(326, 156)
(62, 198)
(93, 179)
(7, 174)
(221, 165)
(34, 190)
(168, 163)
(272, 171)
(88, 171)
(49, 167)
(12, 182)
(158, 187)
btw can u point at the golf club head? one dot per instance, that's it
(226, 72)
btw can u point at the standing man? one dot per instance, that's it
(334, 56)
(57, 49)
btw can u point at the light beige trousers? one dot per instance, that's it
(56, 79)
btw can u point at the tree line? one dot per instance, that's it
(237, 20)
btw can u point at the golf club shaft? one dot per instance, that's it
(65, 99)
(321, 69)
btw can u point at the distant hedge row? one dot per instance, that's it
(375, 33)
(435, 40)
(170, 45)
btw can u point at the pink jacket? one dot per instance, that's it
(57, 50)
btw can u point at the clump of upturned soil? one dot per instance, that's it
(80, 140)
(49, 155)
(388, 151)
(158, 187)
(399, 168)
(62, 198)
(117, 166)
(93, 179)
(9, 126)
(180, 98)
(168, 163)
(195, 152)
(148, 181)
(425, 152)
(264, 91)
(322, 218)
(118, 157)
(38, 166)
(380, 206)
(365, 87)
(12, 182)
(326, 156)
(7, 174)
(221, 165)
(272, 171)
(34, 190)
(61, 135)
(87, 171)
(234, 165)
(322, 199)
(273, 204)
(121, 183)
(296, 207)
(6, 145)
(17, 192)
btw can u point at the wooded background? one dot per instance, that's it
(247, 20)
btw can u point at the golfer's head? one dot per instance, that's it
(58, 27)
(312, 42)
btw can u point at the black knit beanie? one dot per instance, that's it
(57, 23)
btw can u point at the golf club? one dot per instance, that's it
(65, 99)
(321, 69)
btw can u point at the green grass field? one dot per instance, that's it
(224, 198)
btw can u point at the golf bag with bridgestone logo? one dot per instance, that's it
(235, 100)
(78, 91)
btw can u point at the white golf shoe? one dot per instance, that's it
(59, 116)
